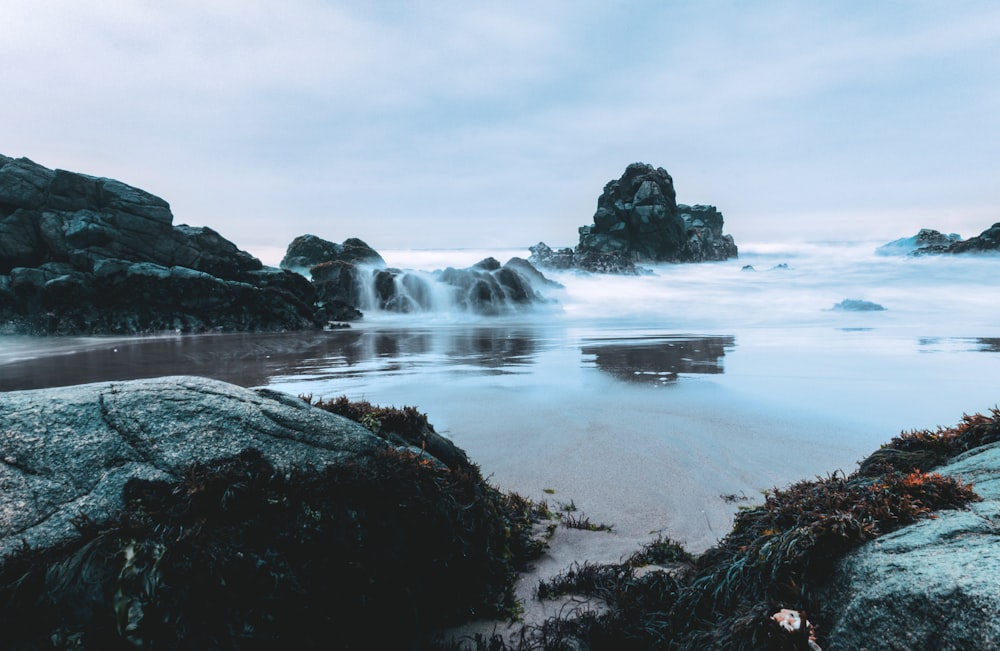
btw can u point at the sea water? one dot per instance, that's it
(674, 387)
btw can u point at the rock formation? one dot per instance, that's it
(929, 242)
(80, 254)
(858, 305)
(351, 278)
(931, 585)
(182, 512)
(639, 220)
(986, 242)
(307, 251)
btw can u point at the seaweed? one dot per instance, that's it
(239, 554)
(774, 557)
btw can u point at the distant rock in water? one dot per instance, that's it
(858, 305)
(986, 242)
(87, 255)
(927, 240)
(638, 220)
(930, 242)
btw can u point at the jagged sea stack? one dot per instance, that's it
(638, 217)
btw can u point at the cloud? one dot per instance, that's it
(454, 123)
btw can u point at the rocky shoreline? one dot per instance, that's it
(180, 512)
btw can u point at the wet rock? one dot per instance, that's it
(986, 242)
(183, 512)
(71, 246)
(931, 242)
(931, 585)
(927, 239)
(307, 251)
(857, 305)
(639, 220)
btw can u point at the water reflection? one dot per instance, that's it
(255, 359)
(659, 359)
(959, 344)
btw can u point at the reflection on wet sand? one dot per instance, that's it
(254, 359)
(959, 344)
(659, 359)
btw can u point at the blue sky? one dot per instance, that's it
(495, 124)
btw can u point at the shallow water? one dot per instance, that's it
(672, 388)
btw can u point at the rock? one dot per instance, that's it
(857, 305)
(931, 585)
(986, 242)
(929, 242)
(183, 512)
(123, 268)
(486, 288)
(68, 452)
(639, 220)
(307, 251)
(927, 239)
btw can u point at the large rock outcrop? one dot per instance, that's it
(931, 585)
(183, 512)
(639, 220)
(81, 254)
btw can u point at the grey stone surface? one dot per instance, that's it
(932, 585)
(67, 452)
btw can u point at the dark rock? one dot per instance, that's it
(986, 242)
(338, 283)
(486, 288)
(927, 239)
(307, 251)
(931, 585)
(857, 305)
(639, 220)
(88, 255)
(930, 242)
(748, 267)
(187, 513)
(542, 255)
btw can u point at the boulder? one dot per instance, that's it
(639, 220)
(182, 512)
(68, 452)
(931, 585)
(307, 251)
(87, 255)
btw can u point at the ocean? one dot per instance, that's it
(657, 402)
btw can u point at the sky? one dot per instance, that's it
(450, 124)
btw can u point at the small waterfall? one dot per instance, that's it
(486, 289)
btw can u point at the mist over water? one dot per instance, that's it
(676, 386)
